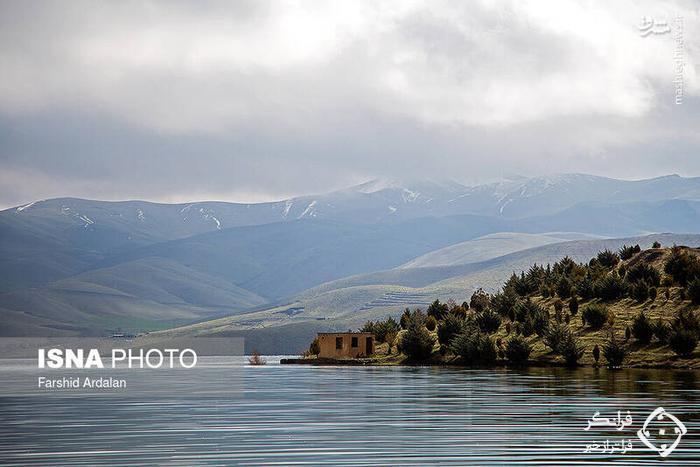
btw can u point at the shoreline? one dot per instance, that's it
(534, 364)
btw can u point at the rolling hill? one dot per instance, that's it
(227, 271)
(487, 247)
(80, 266)
(347, 303)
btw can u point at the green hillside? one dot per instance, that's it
(129, 297)
(343, 305)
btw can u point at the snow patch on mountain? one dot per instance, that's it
(87, 220)
(309, 211)
(503, 206)
(409, 196)
(208, 214)
(287, 206)
(27, 206)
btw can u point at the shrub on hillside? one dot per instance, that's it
(532, 314)
(405, 316)
(381, 329)
(430, 323)
(386, 328)
(642, 329)
(539, 320)
(488, 321)
(683, 342)
(614, 352)
(526, 328)
(459, 311)
(518, 350)
(662, 331)
(640, 291)
(564, 287)
(564, 267)
(517, 284)
(686, 319)
(504, 302)
(479, 301)
(595, 315)
(684, 333)
(682, 266)
(558, 305)
(626, 252)
(571, 349)
(573, 305)
(694, 291)
(644, 272)
(437, 310)
(607, 259)
(610, 287)
(656, 245)
(417, 342)
(449, 328)
(586, 288)
(474, 347)
(554, 336)
(558, 316)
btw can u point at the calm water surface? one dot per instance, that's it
(301, 415)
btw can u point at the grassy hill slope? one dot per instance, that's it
(348, 303)
(488, 247)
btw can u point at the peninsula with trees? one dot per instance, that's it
(626, 308)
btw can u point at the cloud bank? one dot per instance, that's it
(252, 100)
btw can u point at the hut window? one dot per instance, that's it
(354, 342)
(338, 342)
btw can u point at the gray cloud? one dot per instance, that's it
(259, 100)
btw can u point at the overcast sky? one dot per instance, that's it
(257, 100)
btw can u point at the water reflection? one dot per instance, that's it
(354, 416)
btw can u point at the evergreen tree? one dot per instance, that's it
(417, 342)
(518, 350)
(642, 329)
(449, 328)
(608, 259)
(573, 305)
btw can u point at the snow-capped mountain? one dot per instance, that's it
(64, 259)
(548, 195)
(370, 202)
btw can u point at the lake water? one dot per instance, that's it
(302, 415)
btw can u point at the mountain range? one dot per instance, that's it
(80, 267)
